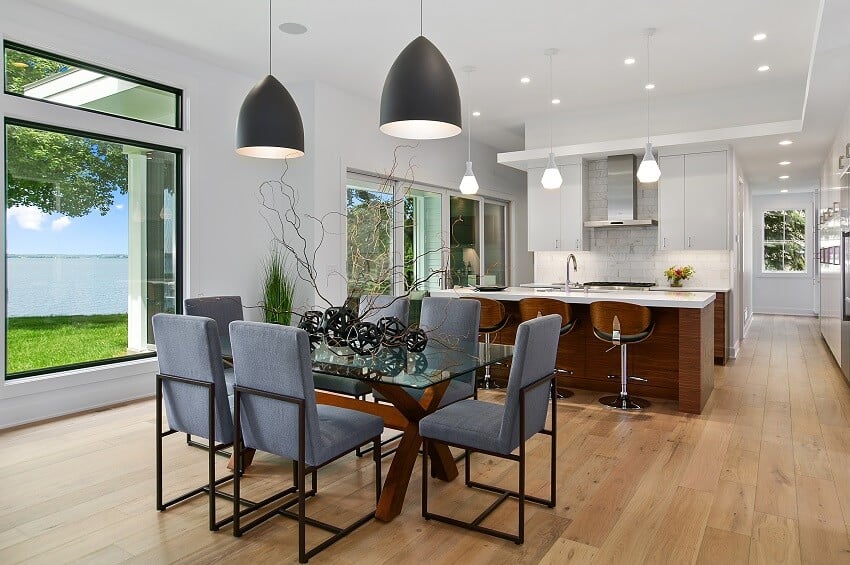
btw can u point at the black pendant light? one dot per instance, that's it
(269, 124)
(421, 99)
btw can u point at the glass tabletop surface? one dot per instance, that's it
(397, 366)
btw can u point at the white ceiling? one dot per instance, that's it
(700, 46)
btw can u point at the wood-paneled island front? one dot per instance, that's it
(677, 360)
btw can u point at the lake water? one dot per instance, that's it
(44, 286)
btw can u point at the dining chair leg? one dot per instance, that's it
(425, 479)
(376, 458)
(466, 462)
(211, 455)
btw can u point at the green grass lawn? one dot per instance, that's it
(50, 341)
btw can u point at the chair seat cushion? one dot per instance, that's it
(340, 385)
(470, 423)
(633, 338)
(341, 430)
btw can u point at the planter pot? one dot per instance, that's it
(676, 283)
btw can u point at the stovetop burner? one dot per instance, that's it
(619, 285)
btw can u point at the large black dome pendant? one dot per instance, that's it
(420, 98)
(269, 124)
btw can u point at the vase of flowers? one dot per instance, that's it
(675, 275)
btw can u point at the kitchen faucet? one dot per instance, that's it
(572, 258)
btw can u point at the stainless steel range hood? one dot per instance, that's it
(622, 195)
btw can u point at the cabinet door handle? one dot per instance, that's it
(556, 244)
(689, 241)
(664, 243)
(578, 243)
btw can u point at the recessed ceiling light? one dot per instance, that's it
(476, 113)
(784, 177)
(760, 37)
(629, 61)
(786, 142)
(784, 190)
(763, 68)
(783, 163)
(649, 86)
(525, 80)
(292, 28)
(556, 101)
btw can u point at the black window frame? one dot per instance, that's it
(179, 270)
(178, 92)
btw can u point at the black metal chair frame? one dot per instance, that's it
(300, 470)
(475, 525)
(209, 488)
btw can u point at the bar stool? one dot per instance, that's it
(493, 319)
(530, 308)
(621, 324)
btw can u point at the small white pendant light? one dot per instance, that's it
(551, 176)
(648, 172)
(468, 184)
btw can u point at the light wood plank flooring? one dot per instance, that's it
(762, 476)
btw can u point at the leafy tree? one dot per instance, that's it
(785, 240)
(57, 172)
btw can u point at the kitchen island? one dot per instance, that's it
(677, 360)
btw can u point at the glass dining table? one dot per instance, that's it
(414, 384)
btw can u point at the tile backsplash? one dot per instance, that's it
(629, 253)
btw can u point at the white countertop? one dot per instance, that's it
(691, 289)
(682, 298)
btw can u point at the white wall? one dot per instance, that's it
(783, 293)
(347, 137)
(224, 240)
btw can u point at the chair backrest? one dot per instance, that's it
(534, 358)
(373, 307)
(450, 320)
(493, 314)
(189, 347)
(634, 319)
(275, 358)
(222, 309)
(530, 308)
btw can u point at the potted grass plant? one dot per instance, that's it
(278, 290)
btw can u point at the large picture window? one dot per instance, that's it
(33, 73)
(92, 247)
(784, 241)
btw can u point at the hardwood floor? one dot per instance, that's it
(762, 476)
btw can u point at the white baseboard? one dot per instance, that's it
(747, 323)
(785, 311)
(41, 398)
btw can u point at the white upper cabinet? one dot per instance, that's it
(556, 217)
(693, 202)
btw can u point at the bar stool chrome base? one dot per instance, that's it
(487, 382)
(625, 402)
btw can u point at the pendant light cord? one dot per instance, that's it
(648, 36)
(420, 18)
(550, 103)
(270, 36)
(469, 104)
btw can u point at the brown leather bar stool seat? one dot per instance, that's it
(530, 308)
(622, 324)
(493, 319)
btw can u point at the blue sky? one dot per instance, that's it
(31, 232)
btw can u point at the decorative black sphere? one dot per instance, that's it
(315, 341)
(364, 338)
(420, 362)
(311, 322)
(392, 331)
(336, 323)
(415, 340)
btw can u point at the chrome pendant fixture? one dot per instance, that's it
(269, 124)
(469, 184)
(551, 176)
(648, 171)
(420, 99)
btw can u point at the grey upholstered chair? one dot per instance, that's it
(192, 383)
(275, 411)
(497, 429)
(222, 309)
